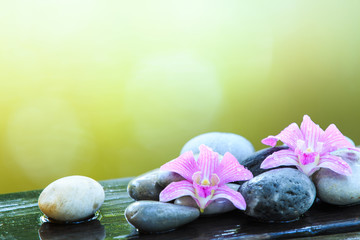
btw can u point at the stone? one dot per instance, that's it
(254, 161)
(278, 195)
(145, 187)
(167, 177)
(221, 142)
(218, 206)
(338, 189)
(72, 198)
(152, 216)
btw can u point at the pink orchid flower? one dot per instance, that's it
(310, 148)
(205, 178)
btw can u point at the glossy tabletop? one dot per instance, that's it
(20, 219)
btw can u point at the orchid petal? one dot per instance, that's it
(300, 146)
(289, 136)
(205, 178)
(280, 158)
(336, 164)
(314, 169)
(235, 197)
(311, 132)
(185, 165)
(270, 141)
(309, 148)
(333, 139)
(230, 170)
(177, 189)
(208, 161)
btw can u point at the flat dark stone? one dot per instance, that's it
(254, 161)
(154, 216)
(19, 219)
(145, 186)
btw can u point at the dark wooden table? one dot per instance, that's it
(20, 219)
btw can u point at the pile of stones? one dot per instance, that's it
(281, 194)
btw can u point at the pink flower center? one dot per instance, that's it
(204, 188)
(308, 157)
(307, 154)
(204, 181)
(204, 191)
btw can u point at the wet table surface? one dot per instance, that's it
(20, 219)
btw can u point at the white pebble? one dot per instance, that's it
(71, 198)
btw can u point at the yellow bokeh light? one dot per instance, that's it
(112, 89)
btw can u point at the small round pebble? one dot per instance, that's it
(152, 216)
(71, 199)
(218, 206)
(145, 187)
(278, 195)
(338, 189)
(221, 142)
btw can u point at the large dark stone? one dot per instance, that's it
(151, 216)
(145, 187)
(254, 161)
(278, 195)
(167, 177)
(221, 143)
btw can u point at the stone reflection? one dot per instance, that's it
(89, 230)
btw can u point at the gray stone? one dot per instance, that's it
(145, 187)
(221, 142)
(151, 216)
(72, 198)
(338, 189)
(278, 195)
(167, 177)
(218, 206)
(254, 161)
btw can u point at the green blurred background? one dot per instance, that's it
(112, 89)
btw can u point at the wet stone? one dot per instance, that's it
(218, 206)
(145, 187)
(278, 195)
(221, 142)
(152, 216)
(167, 177)
(338, 189)
(71, 199)
(254, 161)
